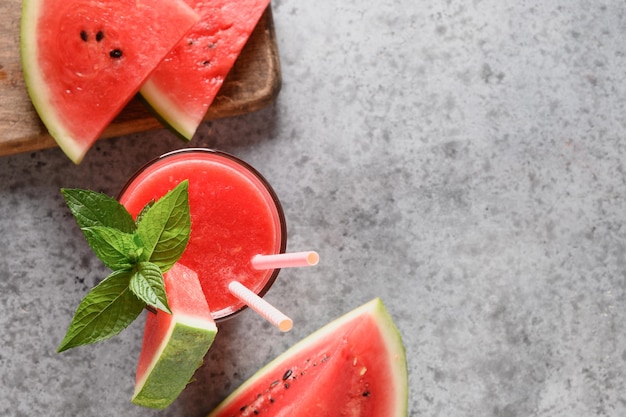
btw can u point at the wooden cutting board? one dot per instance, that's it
(253, 83)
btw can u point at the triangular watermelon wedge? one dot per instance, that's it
(174, 344)
(354, 366)
(184, 85)
(84, 60)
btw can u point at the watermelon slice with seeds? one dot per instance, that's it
(174, 344)
(354, 366)
(84, 60)
(183, 86)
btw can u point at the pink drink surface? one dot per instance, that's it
(233, 218)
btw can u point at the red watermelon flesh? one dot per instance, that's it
(184, 85)
(355, 366)
(84, 60)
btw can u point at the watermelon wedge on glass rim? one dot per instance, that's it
(84, 60)
(174, 344)
(354, 366)
(184, 85)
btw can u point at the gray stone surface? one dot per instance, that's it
(462, 160)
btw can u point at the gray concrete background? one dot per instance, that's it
(462, 160)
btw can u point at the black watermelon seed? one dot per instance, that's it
(115, 53)
(274, 383)
(272, 400)
(366, 393)
(99, 36)
(287, 374)
(84, 36)
(287, 385)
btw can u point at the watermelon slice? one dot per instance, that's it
(354, 366)
(174, 345)
(184, 85)
(84, 60)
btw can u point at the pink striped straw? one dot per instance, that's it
(285, 260)
(262, 307)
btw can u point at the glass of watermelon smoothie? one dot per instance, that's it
(235, 215)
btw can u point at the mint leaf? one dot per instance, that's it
(148, 285)
(165, 227)
(106, 310)
(116, 249)
(143, 211)
(91, 208)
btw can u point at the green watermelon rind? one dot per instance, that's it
(179, 356)
(389, 333)
(167, 111)
(36, 86)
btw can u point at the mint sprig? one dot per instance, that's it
(138, 251)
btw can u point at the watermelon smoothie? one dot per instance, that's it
(235, 215)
